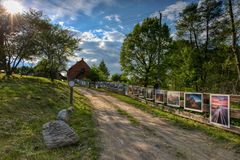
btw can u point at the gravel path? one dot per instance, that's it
(153, 138)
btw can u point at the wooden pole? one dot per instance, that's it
(71, 96)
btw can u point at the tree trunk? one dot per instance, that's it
(235, 49)
(2, 54)
(146, 81)
(146, 77)
(8, 68)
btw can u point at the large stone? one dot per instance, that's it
(63, 115)
(58, 134)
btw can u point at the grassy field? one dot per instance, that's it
(26, 103)
(215, 133)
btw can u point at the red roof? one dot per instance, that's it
(78, 70)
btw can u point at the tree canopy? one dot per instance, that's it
(31, 35)
(204, 56)
(140, 48)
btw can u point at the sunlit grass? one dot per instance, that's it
(26, 103)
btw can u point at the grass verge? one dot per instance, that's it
(26, 103)
(132, 119)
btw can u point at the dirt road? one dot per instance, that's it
(153, 138)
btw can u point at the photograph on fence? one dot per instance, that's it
(193, 101)
(130, 90)
(173, 98)
(142, 92)
(126, 90)
(220, 110)
(135, 90)
(159, 96)
(120, 87)
(150, 94)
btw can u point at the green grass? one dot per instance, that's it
(215, 133)
(26, 103)
(132, 119)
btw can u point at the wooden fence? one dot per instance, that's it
(139, 93)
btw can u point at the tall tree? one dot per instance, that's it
(94, 74)
(19, 42)
(210, 12)
(56, 45)
(188, 24)
(116, 77)
(4, 22)
(138, 55)
(103, 68)
(235, 47)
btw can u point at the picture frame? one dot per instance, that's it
(193, 101)
(160, 96)
(150, 94)
(173, 98)
(220, 110)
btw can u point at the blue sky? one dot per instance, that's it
(103, 24)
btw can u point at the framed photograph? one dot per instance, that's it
(130, 90)
(126, 90)
(193, 101)
(150, 94)
(159, 96)
(220, 110)
(135, 90)
(142, 92)
(173, 98)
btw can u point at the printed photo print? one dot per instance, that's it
(159, 96)
(173, 98)
(219, 110)
(193, 101)
(150, 94)
(142, 92)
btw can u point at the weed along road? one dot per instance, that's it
(129, 133)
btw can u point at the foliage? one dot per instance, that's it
(104, 73)
(56, 45)
(116, 77)
(204, 57)
(30, 35)
(99, 73)
(24, 70)
(94, 74)
(140, 48)
(43, 69)
(18, 38)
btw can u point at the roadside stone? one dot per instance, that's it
(63, 115)
(58, 134)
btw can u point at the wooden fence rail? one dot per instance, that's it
(139, 93)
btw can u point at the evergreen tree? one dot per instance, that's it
(104, 70)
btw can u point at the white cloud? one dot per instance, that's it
(174, 36)
(172, 11)
(100, 44)
(121, 27)
(93, 60)
(66, 8)
(112, 17)
(113, 36)
(61, 23)
(90, 36)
